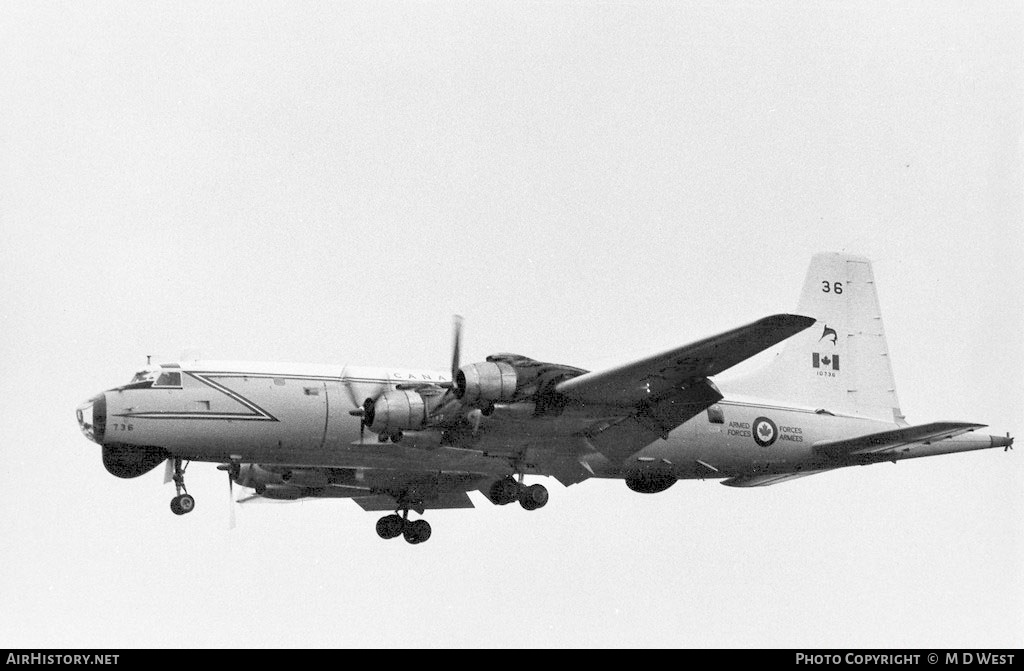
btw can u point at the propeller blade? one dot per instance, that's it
(231, 502)
(232, 470)
(456, 344)
(1009, 444)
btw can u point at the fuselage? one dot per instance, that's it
(302, 414)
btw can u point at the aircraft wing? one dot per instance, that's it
(619, 438)
(647, 378)
(888, 441)
(768, 478)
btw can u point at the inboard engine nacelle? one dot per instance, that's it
(399, 410)
(491, 381)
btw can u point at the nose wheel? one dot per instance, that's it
(183, 503)
(393, 526)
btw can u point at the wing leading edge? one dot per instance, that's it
(667, 389)
(653, 376)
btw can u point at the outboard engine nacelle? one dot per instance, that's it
(256, 477)
(305, 477)
(260, 477)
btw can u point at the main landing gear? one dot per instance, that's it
(182, 503)
(393, 526)
(507, 490)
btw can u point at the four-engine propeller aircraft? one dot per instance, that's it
(409, 440)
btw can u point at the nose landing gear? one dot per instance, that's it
(183, 503)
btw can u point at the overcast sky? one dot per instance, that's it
(586, 183)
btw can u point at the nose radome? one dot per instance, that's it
(92, 418)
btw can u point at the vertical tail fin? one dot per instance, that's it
(840, 364)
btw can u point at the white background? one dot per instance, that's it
(586, 183)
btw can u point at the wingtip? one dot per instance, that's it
(799, 322)
(804, 319)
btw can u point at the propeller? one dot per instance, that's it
(365, 411)
(232, 470)
(1009, 442)
(231, 502)
(456, 344)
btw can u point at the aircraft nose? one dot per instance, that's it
(92, 418)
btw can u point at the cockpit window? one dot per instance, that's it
(144, 375)
(168, 379)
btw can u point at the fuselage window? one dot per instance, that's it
(168, 380)
(715, 415)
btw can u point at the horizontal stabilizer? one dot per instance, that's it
(886, 441)
(768, 478)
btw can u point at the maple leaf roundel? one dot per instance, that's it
(765, 431)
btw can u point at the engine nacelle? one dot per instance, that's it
(282, 493)
(260, 477)
(491, 381)
(305, 477)
(400, 410)
(256, 477)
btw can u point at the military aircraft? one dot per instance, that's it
(407, 440)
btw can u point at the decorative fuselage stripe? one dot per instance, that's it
(255, 414)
